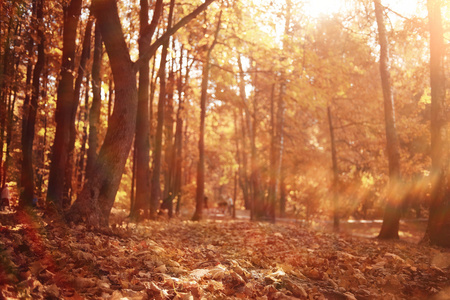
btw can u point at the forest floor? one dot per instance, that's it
(214, 259)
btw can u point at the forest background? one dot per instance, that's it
(153, 106)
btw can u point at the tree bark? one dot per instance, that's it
(169, 145)
(81, 161)
(272, 190)
(27, 174)
(142, 139)
(95, 201)
(85, 54)
(155, 183)
(200, 191)
(438, 228)
(391, 219)
(94, 113)
(64, 106)
(247, 132)
(178, 153)
(335, 173)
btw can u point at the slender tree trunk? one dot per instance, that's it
(169, 145)
(94, 113)
(179, 133)
(155, 183)
(9, 132)
(134, 213)
(27, 176)
(110, 99)
(235, 194)
(200, 192)
(81, 162)
(238, 154)
(25, 180)
(259, 209)
(391, 220)
(283, 192)
(64, 106)
(438, 228)
(85, 54)
(244, 178)
(142, 139)
(246, 128)
(272, 191)
(335, 173)
(6, 76)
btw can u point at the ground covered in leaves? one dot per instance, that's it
(212, 260)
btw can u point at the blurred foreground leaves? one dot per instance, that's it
(213, 260)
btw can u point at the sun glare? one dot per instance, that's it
(316, 8)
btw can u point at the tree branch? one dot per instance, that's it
(149, 30)
(151, 50)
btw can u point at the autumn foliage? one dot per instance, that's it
(240, 116)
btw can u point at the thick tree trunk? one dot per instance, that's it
(64, 106)
(200, 192)
(95, 201)
(391, 220)
(438, 229)
(27, 175)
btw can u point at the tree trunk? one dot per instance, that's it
(81, 162)
(246, 128)
(95, 201)
(258, 209)
(335, 186)
(68, 188)
(27, 177)
(243, 176)
(438, 228)
(110, 99)
(155, 183)
(142, 139)
(178, 153)
(64, 106)
(200, 192)
(94, 113)
(6, 76)
(134, 213)
(283, 191)
(389, 229)
(169, 145)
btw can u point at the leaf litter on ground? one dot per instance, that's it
(212, 260)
